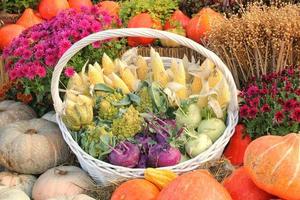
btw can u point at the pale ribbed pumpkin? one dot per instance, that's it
(17, 181)
(11, 111)
(32, 147)
(273, 163)
(7, 193)
(61, 181)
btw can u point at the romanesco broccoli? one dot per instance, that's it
(146, 104)
(107, 110)
(128, 125)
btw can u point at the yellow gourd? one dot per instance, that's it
(159, 177)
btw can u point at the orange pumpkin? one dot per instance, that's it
(29, 18)
(241, 187)
(8, 33)
(200, 25)
(136, 189)
(177, 18)
(50, 8)
(143, 20)
(78, 4)
(111, 7)
(273, 163)
(196, 185)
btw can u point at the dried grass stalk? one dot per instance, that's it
(3, 74)
(258, 40)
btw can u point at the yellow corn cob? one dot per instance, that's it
(179, 77)
(108, 65)
(130, 80)
(159, 73)
(117, 82)
(142, 68)
(95, 75)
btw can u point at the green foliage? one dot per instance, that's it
(96, 141)
(17, 6)
(112, 49)
(159, 9)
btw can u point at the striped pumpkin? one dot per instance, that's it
(273, 163)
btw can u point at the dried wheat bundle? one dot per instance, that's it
(260, 40)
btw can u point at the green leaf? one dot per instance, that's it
(103, 87)
(134, 98)
(124, 102)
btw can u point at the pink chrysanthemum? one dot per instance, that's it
(69, 72)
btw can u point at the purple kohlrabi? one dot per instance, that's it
(143, 161)
(125, 154)
(161, 138)
(163, 155)
(144, 141)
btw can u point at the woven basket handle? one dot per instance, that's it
(137, 32)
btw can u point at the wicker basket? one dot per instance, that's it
(105, 173)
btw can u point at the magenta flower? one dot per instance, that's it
(27, 54)
(265, 108)
(252, 90)
(279, 116)
(263, 91)
(295, 115)
(253, 112)
(244, 111)
(97, 44)
(41, 72)
(69, 71)
(254, 102)
(289, 104)
(12, 75)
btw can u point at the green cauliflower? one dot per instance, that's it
(146, 104)
(128, 125)
(107, 110)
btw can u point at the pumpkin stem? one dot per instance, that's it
(60, 172)
(31, 131)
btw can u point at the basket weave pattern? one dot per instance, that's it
(106, 173)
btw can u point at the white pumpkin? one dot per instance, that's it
(18, 181)
(61, 181)
(74, 197)
(11, 111)
(7, 193)
(32, 147)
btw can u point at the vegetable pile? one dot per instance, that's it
(135, 113)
